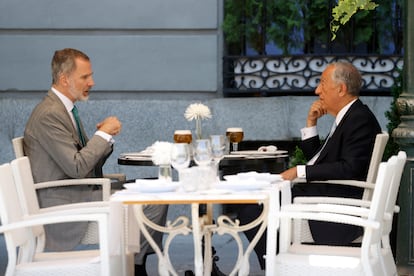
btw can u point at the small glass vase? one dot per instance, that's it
(165, 172)
(198, 128)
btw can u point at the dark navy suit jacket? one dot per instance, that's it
(345, 156)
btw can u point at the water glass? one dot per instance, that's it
(202, 152)
(180, 156)
(218, 147)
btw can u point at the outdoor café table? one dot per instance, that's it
(201, 228)
(230, 164)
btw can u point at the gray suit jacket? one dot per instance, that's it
(52, 144)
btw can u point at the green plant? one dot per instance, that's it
(345, 9)
(303, 24)
(394, 118)
(258, 22)
(298, 158)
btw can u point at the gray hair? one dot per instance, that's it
(63, 62)
(348, 74)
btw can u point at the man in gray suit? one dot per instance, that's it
(58, 148)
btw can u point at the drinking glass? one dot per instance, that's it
(235, 136)
(202, 152)
(180, 156)
(183, 136)
(218, 146)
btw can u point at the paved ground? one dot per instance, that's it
(181, 253)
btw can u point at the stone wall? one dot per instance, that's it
(148, 120)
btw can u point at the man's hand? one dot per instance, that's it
(110, 125)
(316, 111)
(290, 174)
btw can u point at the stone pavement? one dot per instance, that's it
(181, 254)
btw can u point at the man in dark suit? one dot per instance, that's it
(345, 155)
(59, 148)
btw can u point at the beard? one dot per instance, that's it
(78, 95)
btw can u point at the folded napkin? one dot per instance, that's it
(269, 148)
(255, 176)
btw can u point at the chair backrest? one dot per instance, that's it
(26, 192)
(18, 146)
(394, 187)
(11, 212)
(376, 158)
(25, 185)
(387, 172)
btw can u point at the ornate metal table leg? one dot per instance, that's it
(178, 227)
(225, 225)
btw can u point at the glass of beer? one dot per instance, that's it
(235, 136)
(183, 136)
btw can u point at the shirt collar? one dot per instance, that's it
(65, 100)
(342, 112)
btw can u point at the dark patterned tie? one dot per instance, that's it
(77, 121)
(312, 161)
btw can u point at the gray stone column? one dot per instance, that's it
(404, 136)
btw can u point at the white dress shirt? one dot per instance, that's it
(69, 106)
(308, 132)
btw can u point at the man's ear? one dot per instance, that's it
(63, 80)
(342, 90)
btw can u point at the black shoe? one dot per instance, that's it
(216, 271)
(140, 270)
(189, 273)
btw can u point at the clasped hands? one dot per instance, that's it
(110, 125)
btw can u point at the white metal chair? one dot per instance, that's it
(109, 259)
(302, 228)
(371, 258)
(18, 149)
(30, 204)
(90, 235)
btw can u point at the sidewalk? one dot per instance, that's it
(182, 252)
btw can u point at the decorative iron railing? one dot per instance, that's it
(299, 74)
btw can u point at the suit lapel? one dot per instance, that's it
(337, 133)
(68, 120)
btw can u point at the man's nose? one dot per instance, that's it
(318, 90)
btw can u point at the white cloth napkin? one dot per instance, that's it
(269, 148)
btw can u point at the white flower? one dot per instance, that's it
(197, 111)
(161, 154)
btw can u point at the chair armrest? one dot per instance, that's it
(115, 176)
(355, 183)
(327, 213)
(82, 214)
(74, 206)
(327, 208)
(336, 200)
(104, 182)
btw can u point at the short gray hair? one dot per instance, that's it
(347, 73)
(63, 62)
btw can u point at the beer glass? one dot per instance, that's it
(235, 136)
(183, 136)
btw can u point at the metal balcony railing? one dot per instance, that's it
(299, 74)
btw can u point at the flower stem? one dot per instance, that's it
(198, 128)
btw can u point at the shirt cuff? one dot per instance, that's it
(301, 171)
(308, 132)
(105, 136)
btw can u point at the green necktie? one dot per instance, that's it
(77, 120)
